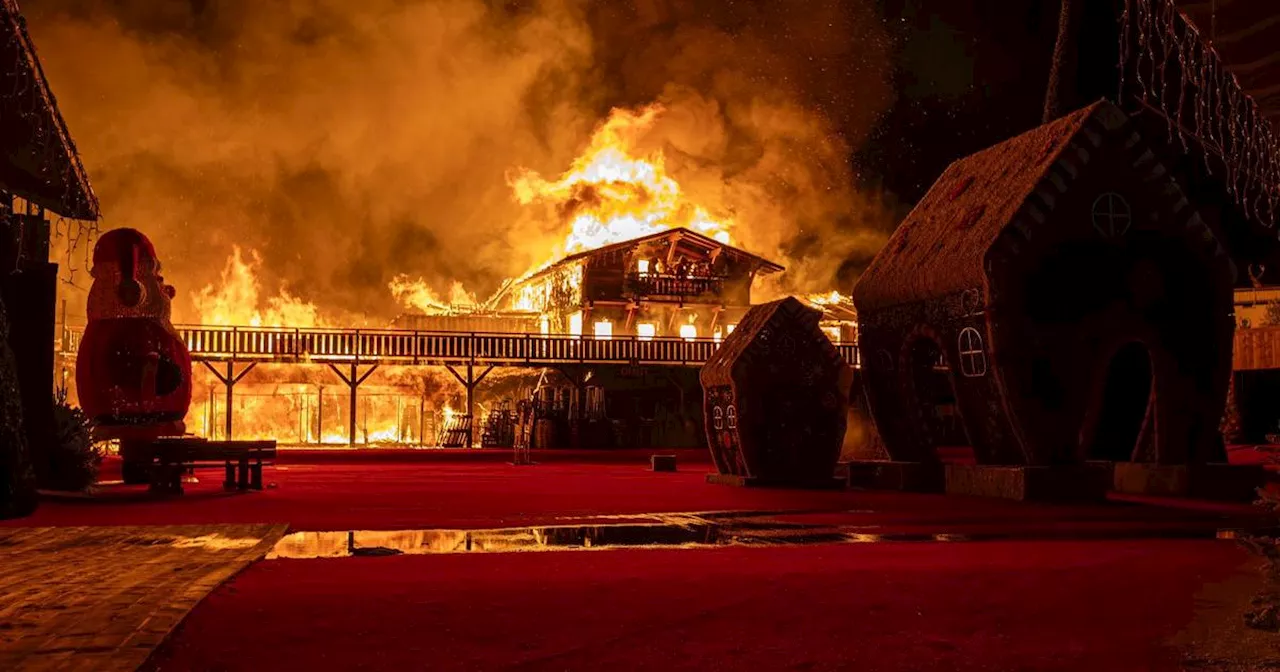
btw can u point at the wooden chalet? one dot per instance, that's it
(675, 283)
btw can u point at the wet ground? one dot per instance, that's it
(692, 530)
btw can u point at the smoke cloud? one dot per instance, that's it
(347, 142)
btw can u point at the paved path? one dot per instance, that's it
(102, 598)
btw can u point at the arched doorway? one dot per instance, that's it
(1126, 396)
(940, 427)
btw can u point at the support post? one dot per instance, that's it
(320, 414)
(422, 416)
(469, 383)
(229, 380)
(577, 376)
(353, 382)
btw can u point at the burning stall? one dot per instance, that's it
(671, 284)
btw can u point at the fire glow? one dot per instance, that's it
(611, 193)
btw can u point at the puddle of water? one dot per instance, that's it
(667, 530)
(216, 542)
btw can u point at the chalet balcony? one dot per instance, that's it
(655, 284)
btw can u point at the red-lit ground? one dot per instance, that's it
(1002, 605)
(367, 492)
(989, 606)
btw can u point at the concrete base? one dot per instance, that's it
(903, 476)
(752, 482)
(1222, 482)
(1089, 482)
(662, 462)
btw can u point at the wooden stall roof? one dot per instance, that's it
(40, 162)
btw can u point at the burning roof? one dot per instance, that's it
(678, 236)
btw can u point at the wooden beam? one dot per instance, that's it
(367, 374)
(341, 375)
(241, 375)
(217, 374)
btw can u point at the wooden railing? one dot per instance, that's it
(652, 284)
(391, 346)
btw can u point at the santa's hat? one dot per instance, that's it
(127, 249)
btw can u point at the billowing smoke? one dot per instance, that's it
(348, 142)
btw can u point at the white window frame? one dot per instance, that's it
(1112, 214)
(973, 353)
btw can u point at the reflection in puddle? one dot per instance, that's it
(661, 531)
(678, 530)
(216, 542)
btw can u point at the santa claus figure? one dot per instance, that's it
(133, 372)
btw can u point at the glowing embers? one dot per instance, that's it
(832, 333)
(829, 299)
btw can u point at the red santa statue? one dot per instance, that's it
(133, 372)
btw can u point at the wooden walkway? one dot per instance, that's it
(399, 346)
(103, 598)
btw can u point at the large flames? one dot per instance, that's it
(418, 295)
(615, 191)
(610, 194)
(238, 301)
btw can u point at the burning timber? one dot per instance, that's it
(604, 339)
(671, 284)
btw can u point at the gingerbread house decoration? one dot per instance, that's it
(775, 398)
(1059, 296)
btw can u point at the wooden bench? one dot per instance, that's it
(168, 459)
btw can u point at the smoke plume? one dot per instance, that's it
(347, 143)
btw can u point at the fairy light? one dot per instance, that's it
(1225, 120)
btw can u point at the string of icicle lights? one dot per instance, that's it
(1223, 119)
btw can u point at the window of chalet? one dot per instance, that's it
(1111, 215)
(973, 357)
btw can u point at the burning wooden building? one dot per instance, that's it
(671, 284)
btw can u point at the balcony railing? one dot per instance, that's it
(653, 284)
(275, 344)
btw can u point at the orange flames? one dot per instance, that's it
(417, 294)
(238, 300)
(612, 195)
(830, 299)
(613, 192)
